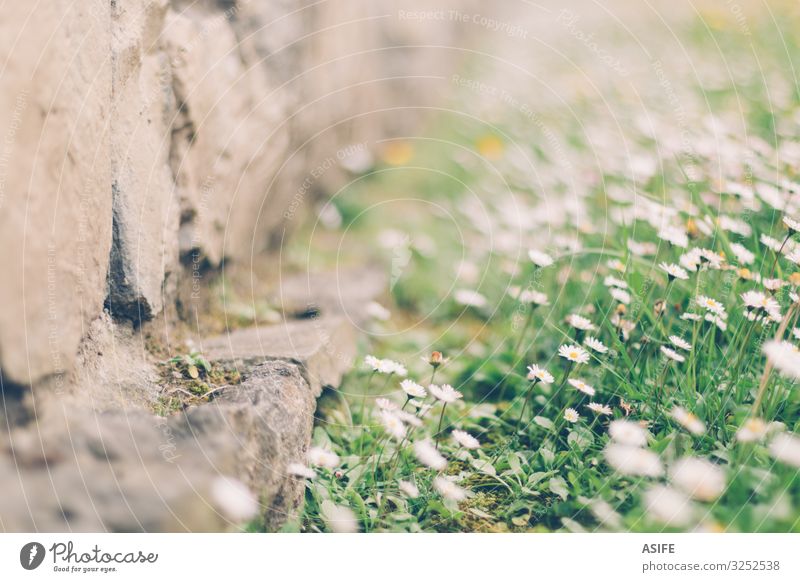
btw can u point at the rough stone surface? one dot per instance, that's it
(345, 292)
(147, 141)
(226, 138)
(324, 348)
(145, 211)
(55, 177)
(269, 417)
(130, 471)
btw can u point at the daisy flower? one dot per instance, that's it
(634, 461)
(339, 519)
(698, 478)
(448, 489)
(445, 393)
(710, 304)
(624, 326)
(642, 249)
(533, 297)
(385, 404)
(539, 258)
(234, 499)
(436, 359)
(421, 406)
(322, 457)
(672, 354)
(674, 236)
(627, 433)
(427, 454)
(611, 281)
(620, 295)
(711, 258)
(393, 425)
(385, 366)
(596, 345)
(465, 439)
(372, 363)
(785, 357)
(616, 265)
(581, 386)
(786, 448)
(735, 225)
(773, 284)
(408, 418)
(679, 342)
(378, 311)
(571, 415)
(470, 298)
(718, 320)
(770, 243)
(573, 353)
(579, 322)
(792, 224)
(539, 374)
(691, 260)
(412, 389)
(753, 429)
(300, 470)
(761, 301)
(688, 421)
(674, 271)
(669, 506)
(742, 254)
(598, 408)
(408, 489)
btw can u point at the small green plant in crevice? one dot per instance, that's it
(191, 365)
(190, 379)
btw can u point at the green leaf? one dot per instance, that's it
(536, 477)
(559, 487)
(484, 466)
(580, 437)
(515, 464)
(543, 422)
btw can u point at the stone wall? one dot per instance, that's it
(139, 133)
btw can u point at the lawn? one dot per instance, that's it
(592, 322)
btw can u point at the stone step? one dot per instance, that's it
(210, 467)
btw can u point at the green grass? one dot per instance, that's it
(535, 471)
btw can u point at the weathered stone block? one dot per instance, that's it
(145, 241)
(55, 175)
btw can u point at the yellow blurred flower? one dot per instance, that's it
(397, 153)
(490, 147)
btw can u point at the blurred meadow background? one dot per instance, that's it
(593, 255)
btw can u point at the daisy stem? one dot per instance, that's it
(743, 349)
(364, 397)
(778, 254)
(557, 395)
(439, 428)
(762, 386)
(660, 389)
(522, 335)
(525, 402)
